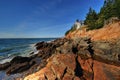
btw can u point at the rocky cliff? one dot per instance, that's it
(81, 55)
(82, 59)
(108, 32)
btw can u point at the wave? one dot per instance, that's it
(32, 45)
(6, 50)
(9, 57)
(6, 60)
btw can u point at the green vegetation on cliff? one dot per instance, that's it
(111, 8)
(73, 28)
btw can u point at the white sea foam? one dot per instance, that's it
(50, 41)
(5, 60)
(32, 45)
(36, 52)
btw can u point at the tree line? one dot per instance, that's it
(110, 8)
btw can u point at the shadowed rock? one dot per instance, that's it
(4, 66)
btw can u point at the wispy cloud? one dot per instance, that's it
(47, 6)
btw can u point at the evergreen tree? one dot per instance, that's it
(91, 18)
(111, 8)
(117, 8)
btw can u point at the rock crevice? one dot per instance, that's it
(78, 69)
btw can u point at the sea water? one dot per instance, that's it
(18, 47)
(10, 48)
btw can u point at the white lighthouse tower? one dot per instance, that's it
(78, 24)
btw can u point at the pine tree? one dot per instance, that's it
(117, 8)
(111, 8)
(91, 18)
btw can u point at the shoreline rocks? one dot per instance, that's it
(68, 59)
(28, 65)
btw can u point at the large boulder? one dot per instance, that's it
(20, 59)
(17, 68)
(103, 71)
(107, 50)
(19, 64)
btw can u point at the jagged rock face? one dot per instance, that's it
(73, 67)
(104, 71)
(52, 44)
(19, 64)
(63, 67)
(107, 50)
(78, 59)
(87, 67)
(76, 46)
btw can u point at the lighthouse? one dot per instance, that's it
(77, 24)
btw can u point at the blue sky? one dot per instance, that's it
(42, 18)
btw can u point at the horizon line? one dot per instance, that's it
(30, 38)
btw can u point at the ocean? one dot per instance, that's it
(10, 48)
